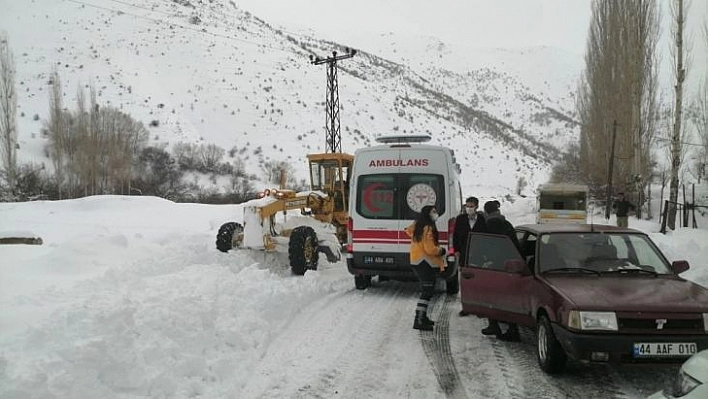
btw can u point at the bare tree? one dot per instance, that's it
(8, 114)
(679, 11)
(186, 155)
(278, 172)
(619, 84)
(136, 139)
(700, 119)
(210, 155)
(567, 169)
(57, 128)
(643, 38)
(83, 165)
(95, 149)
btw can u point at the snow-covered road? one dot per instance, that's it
(129, 298)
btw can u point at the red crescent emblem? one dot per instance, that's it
(367, 197)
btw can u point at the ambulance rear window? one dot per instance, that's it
(398, 195)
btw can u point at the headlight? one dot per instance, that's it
(684, 384)
(592, 321)
(705, 322)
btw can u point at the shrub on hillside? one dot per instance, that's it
(159, 174)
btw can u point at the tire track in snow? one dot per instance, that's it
(525, 379)
(348, 362)
(365, 351)
(490, 368)
(641, 380)
(436, 345)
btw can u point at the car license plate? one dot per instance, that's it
(664, 349)
(387, 260)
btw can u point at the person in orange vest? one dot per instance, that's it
(425, 254)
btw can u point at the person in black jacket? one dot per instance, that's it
(497, 224)
(471, 220)
(467, 222)
(622, 208)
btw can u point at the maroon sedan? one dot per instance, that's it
(592, 292)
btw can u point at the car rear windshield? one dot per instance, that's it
(601, 252)
(398, 195)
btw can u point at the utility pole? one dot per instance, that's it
(610, 164)
(333, 141)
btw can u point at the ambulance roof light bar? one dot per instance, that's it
(404, 139)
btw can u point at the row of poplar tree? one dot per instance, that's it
(625, 122)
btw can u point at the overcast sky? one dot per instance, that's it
(499, 23)
(481, 23)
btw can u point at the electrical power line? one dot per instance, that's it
(682, 142)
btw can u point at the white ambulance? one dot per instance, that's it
(389, 185)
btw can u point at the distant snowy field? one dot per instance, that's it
(129, 297)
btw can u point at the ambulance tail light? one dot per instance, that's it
(450, 232)
(450, 256)
(350, 234)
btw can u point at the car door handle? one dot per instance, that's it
(467, 275)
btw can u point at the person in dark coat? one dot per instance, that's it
(470, 221)
(497, 224)
(622, 208)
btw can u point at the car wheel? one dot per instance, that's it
(452, 285)
(227, 233)
(550, 353)
(302, 250)
(362, 282)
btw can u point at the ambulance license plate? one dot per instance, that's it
(386, 260)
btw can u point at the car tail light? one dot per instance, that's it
(705, 322)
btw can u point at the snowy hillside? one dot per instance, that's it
(209, 72)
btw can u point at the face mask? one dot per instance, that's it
(434, 216)
(471, 211)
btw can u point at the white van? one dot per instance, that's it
(389, 185)
(562, 203)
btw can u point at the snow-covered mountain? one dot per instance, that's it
(210, 72)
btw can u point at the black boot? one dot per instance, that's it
(426, 320)
(511, 334)
(419, 322)
(492, 329)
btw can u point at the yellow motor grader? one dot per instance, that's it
(319, 226)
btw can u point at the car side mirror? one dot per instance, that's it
(679, 266)
(515, 266)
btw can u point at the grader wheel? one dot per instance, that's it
(230, 235)
(302, 250)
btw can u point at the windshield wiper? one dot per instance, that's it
(571, 269)
(631, 271)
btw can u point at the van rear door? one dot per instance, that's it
(394, 187)
(424, 176)
(377, 228)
